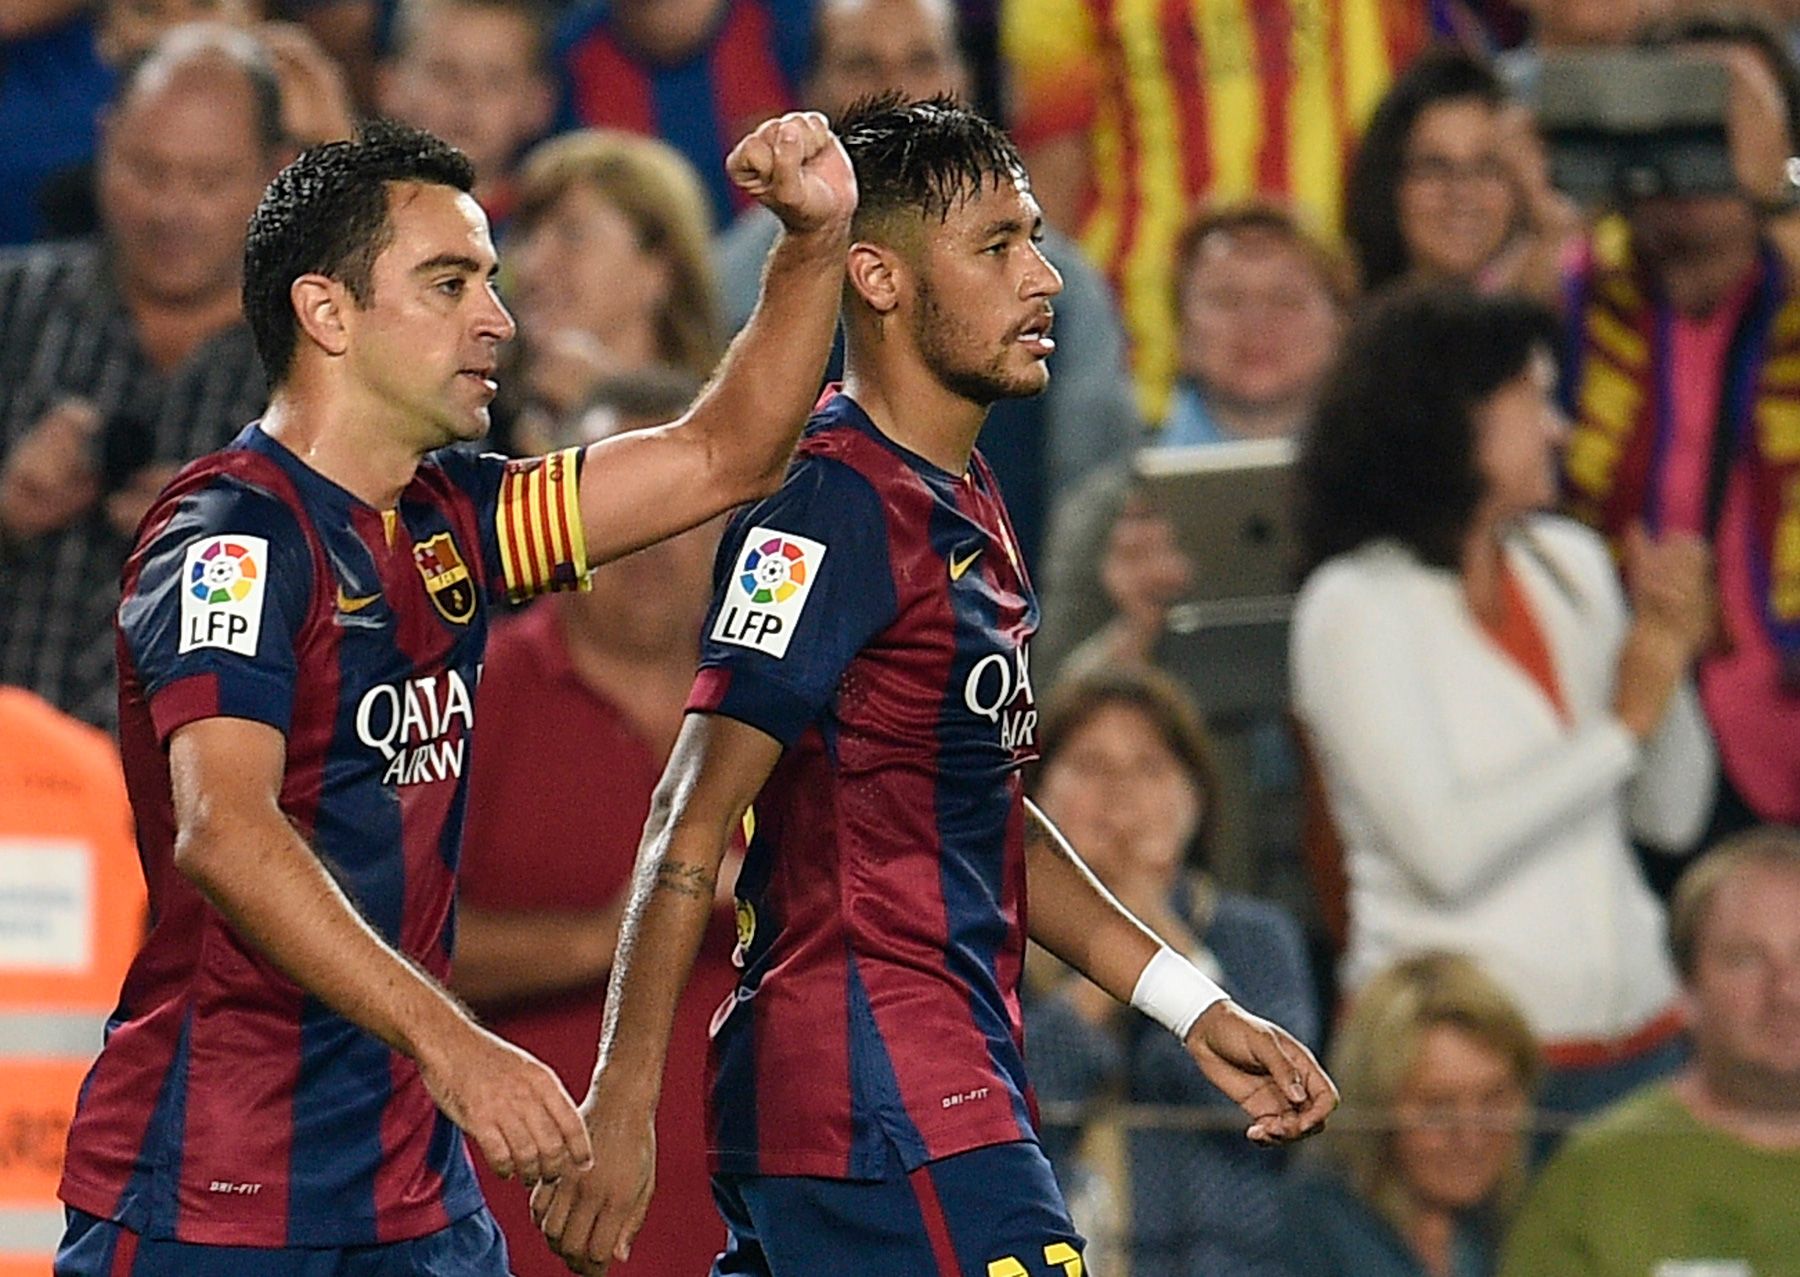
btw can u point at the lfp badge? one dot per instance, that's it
(222, 590)
(762, 607)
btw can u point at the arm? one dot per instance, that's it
(1671, 796)
(1378, 727)
(503, 958)
(21, 18)
(717, 768)
(733, 444)
(1270, 1075)
(236, 845)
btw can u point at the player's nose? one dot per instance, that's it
(1041, 278)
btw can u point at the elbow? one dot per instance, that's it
(196, 855)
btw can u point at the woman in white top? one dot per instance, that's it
(1493, 723)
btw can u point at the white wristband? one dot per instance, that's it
(1174, 992)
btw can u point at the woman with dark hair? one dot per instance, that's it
(1127, 773)
(1492, 721)
(1438, 188)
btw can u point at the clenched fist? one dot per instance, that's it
(795, 166)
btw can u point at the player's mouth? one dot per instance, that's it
(483, 376)
(1035, 336)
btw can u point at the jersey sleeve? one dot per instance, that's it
(803, 581)
(530, 516)
(211, 615)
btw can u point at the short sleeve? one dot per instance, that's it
(803, 581)
(213, 606)
(530, 515)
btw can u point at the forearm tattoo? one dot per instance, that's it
(693, 881)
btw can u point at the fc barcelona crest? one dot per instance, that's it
(447, 578)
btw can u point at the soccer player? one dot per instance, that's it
(865, 680)
(300, 641)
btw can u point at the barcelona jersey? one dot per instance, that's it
(874, 617)
(229, 1107)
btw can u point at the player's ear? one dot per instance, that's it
(319, 304)
(874, 273)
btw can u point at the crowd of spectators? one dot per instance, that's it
(1544, 662)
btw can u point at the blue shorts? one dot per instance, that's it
(471, 1247)
(990, 1212)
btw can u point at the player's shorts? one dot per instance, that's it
(990, 1212)
(471, 1247)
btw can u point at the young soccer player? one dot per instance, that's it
(866, 681)
(300, 640)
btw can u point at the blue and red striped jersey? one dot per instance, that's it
(229, 1107)
(746, 71)
(874, 617)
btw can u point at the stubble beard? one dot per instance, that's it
(941, 339)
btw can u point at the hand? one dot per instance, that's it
(1755, 120)
(1143, 572)
(591, 1218)
(1265, 1069)
(512, 1106)
(796, 167)
(1547, 211)
(1670, 582)
(50, 478)
(315, 98)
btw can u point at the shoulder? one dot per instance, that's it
(1574, 548)
(1359, 582)
(1652, 1109)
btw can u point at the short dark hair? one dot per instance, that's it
(1371, 191)
(327, 214)
(926, 157)
(1391, 451)
(193, 41)
(1732, 25)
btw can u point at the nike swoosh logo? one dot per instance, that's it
(959, 566)
(348, 604)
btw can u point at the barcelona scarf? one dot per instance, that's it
(1618, 394)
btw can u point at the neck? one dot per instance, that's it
(1697, 283)
(1432, 1235)
(911, 406)
(649, 682)
(1255, 421)
(1744, 1111)
(1483, 565)
(170, 332)
(372, 465)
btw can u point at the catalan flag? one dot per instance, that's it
(1184, 102)
(539, 525)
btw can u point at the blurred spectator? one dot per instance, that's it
(1039, 448)
(1126, 775)
(123, 357)
(1129, 115)
(1431, 192)
(580, 700)
(350, 32)
(315, 103)
(699, 74)
(71, 915)
(1698, 1175)
(1575, 23)
(475, 73)
(52, 88)
(610, 271)
(1491, 720)
(1427, 1158)
(1261, 304)
(1683, 340)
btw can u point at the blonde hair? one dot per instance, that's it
(659, 193)
(1378, 1045)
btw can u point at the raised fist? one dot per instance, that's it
(795, 166)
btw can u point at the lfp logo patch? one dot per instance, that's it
(763, 603)
(222, 593)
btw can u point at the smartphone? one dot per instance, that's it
(1625, 124)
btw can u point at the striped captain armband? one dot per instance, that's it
(539, 524)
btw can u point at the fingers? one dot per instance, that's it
(494, 1147)
(576, 1148)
